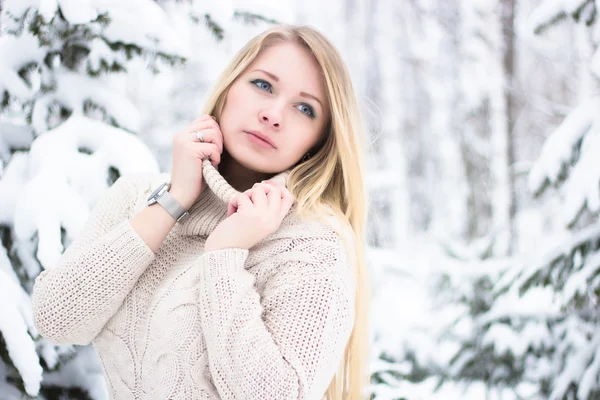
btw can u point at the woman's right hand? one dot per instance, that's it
(188, 153)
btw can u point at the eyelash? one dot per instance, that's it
(257, 83)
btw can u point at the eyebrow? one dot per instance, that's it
(276, 79)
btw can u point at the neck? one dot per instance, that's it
(238, 176)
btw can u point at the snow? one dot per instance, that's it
(554, 251)
(550, 9)
(82, 371)
(581, 186)
(75, 89)
(504, 339)
(6, 266)
(579, 281)
(432, 88)
(538, 301)
(537, 335)
(153, 31)
(595, 63)
(589, 379)
(11, 184)
(557, 149)
(152, 28)
(16, 321)
(76, 180)
(16, 52)
(48, 9)
(78, 11)
(427, 391)
(575, 368)
(16, 8)
(221, 12)
(99, 51)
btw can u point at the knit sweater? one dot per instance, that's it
(271, 322)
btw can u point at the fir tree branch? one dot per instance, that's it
(252, 19)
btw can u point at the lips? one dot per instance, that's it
(262, 136)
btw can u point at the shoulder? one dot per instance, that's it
(322, 226)
(323, 241)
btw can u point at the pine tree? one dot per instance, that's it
(66, 134)
(524, 326)
(538, 330)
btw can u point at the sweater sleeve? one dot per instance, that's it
(73, 300)
(286, 343)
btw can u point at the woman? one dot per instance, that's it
(249, 283)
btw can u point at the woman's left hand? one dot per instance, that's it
(252, 216)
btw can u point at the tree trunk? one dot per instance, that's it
(508, 21)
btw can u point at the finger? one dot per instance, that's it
(215, 154)
(274, 197)
(280, 185)
(275, 186)
(259, 195)
(207, 150)
(203, 117)
(286, 203)
(232, 207)
(203, 124)
(249, 192)
(241, 200)
(210, 134)
(234, 204)
(206, 121)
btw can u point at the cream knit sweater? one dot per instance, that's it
(267, 323)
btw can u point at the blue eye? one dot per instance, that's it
(306, 109)
(266, 86)
(262, 84)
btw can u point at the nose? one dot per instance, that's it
(271, 116)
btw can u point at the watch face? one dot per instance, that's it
(155, 194)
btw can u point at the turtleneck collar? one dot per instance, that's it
(211, 207)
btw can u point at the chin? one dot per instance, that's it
(258, 162)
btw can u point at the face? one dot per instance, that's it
(276, 110)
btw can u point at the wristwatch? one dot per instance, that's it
(162, 196)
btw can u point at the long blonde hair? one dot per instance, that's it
(333, 177)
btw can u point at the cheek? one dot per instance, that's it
(303, 137)
(235, 95)
(231, 110)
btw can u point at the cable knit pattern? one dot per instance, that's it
(271, 322)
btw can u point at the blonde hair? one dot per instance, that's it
(332, 178)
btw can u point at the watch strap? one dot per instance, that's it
(168, 202)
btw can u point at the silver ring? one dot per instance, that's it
(199, 136)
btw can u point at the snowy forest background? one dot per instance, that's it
(484, 173)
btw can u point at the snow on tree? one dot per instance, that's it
(56, 53)
(469, 325)
(537, 329)
(68, 130)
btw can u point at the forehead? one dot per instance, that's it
(294, 65)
